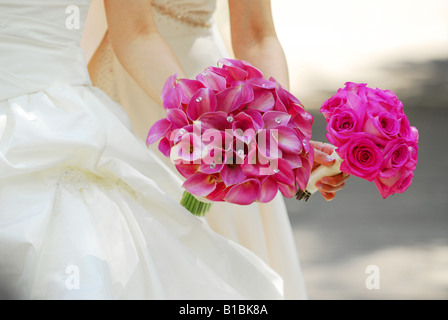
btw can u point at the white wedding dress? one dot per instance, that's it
(86, 210)
(189, 29)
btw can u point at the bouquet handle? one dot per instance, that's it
(318, 174)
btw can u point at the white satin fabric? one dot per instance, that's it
(86, 210)
(189, 29)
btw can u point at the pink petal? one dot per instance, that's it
(158, 130)
(256, 118)
(212, 80)
(267, 144)
(214, 120)
(171, 96)
(262, 83)
(293, 159)
(244, 193)
(213, 161)
(165, 147)
(288, 140)
(177, 117)
(213, 138)
(231, 62)
(279, 106)
(304, 124)
(232, 98)
(263, 100)
(188, 88)
(253, 73)
(232, 174)
(287, 190)
(187, 169)
(200, 184)
(303, 174)
(222, 72)
(219, 193)
(244, 128)
(269, 190)
(284, 173)
(274, 119)
(204, 100)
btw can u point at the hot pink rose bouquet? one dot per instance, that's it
(373, 137)
(234, 135)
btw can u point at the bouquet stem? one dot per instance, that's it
(318, 174)
(195, 206)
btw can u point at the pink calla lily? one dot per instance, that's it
(171, 96)
(200, 184)
(268, 191)
(188, 88)
(214, 120)
(212, 80)
(165, 147)
(274, 119)
(244, 128)
(213, 161)
(232, 172)
(158, 130)
(204, 100)
(262, 83)
(257, 119)
(219, 193)
(177, 117)
(232, 98)
(288, 140)
(187, 169)
(284, 173)
(244, 193)
(263, 100)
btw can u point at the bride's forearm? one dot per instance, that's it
(268, 56)
(254, 38)
(149, 61)
(139, 47)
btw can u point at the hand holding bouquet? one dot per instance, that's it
(373, 137)
(235, 136)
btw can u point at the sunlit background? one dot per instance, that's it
(401, 45)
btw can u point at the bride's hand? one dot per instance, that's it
(328, 186)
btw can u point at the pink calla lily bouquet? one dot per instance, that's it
(235, 136)
(373, 137)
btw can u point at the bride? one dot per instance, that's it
(86, 210)
(179, 36)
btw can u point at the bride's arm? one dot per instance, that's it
(139, 47)
(254, 38)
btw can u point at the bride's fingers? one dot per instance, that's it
(322, 146)
(336, 180)
(327, 188)
(322, 158)
(328, 195)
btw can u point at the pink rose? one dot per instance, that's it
(341, 125)
(335, 102)
(395, 184)
(387, 99)
(384, 125)
(362, 157)
(396, 155)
